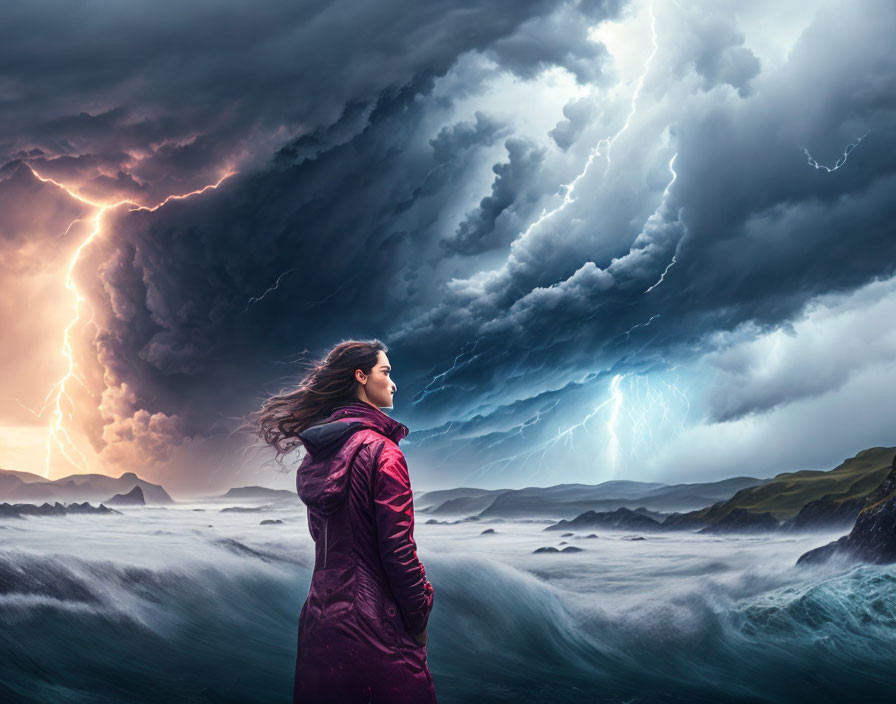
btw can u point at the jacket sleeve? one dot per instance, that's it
(394, 513)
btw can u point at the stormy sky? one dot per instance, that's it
(602, 240)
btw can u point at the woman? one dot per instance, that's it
(362, 630)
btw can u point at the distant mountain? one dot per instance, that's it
(568, 500)
(27, 477)
(79, 487)
(433, 499)
(807, 499)
(258, 492)
(11, 479)
(133, 498)
(459, 502)
(788, 494)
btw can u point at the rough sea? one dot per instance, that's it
(188, 604)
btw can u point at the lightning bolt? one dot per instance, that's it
(529, 422)
(631, 409)
(642, 426)
(663, 275)
(566, 436)
(665, 196)
(426, 389)
(58, 398)
(841, 161)
(628, 332)
(637, 92)
(256, 299)
(616, 399)
(569, 188)
(596, 151)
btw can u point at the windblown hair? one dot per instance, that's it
(329, 384)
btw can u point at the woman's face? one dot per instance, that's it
(377, 386)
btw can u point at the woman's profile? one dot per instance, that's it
(362, 629)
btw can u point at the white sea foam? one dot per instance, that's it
(177, 601)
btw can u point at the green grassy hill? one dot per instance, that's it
(787, 493)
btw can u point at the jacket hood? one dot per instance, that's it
(322, 478)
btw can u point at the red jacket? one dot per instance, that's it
(369, 591)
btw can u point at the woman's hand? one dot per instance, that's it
(422, 638)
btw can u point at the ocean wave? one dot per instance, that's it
(504, 635)
(78, 630)
(221, 627)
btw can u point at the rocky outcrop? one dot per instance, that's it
(830, 511)
(245, 509)
(622, 519)
(133, 498)
(549, 548)
(739, 520)
(873, 537)
(684, 521)
(19, 510)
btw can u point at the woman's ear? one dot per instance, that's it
(360, 376)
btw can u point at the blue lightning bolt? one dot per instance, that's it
(628, 332)
(637, 92)
(569, 188)
(631, 411)
(426, 389)
(840, 162)
(565, 436)
(665, 196)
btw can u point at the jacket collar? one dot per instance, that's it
(371, 417)
(322, 478)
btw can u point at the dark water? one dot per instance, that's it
(162, 608)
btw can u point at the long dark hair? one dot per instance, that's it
(329, 384)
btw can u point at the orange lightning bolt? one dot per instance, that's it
(58, 398)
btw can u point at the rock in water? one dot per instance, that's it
(873, 537)
(133, 498)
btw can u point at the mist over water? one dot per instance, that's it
(191, 604)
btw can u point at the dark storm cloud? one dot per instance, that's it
(559, 278)
(457, 138)
(170, 97)
(476, 233)
(576, 114)
(756, 233)
(558, 39)
(719, 55)
(195, 301)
